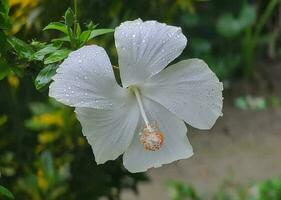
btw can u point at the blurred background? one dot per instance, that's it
(43, 155)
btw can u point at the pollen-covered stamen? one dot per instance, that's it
(151, 137)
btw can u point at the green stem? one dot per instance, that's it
(264, 17)
(251, 39)
(75, 15)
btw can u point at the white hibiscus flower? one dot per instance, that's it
(143, 119)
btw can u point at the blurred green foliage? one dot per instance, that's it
(5, 192)
(43, 153)
(266, 190)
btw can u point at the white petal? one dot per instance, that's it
(176, 145)
(86, 79)
(190, 90)
(145, 48)
(109, 132)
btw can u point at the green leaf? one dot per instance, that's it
(78, 30)
(4, 7)
(37, 45)
(22, 49)
(69, 17)
(4, 15)
(56, 26)
(5, 22)
(4, 68)
(39, 55)
(3, 42)
(84, 36)
(6, 192)
(57, 56)
(228, 26)
(248, 15)
(45, 76)
(47, 164)
(61, 39)
(91, 26)
(98, 32)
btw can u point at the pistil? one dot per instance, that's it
(138, 97)
(151, 137)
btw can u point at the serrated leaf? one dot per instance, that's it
(97, 32)
(45, 76)
(39, 55)
(56, 26)
(57, 56)
(22, 49)
(4, 191)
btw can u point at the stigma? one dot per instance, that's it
(151, 138)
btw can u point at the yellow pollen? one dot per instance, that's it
(152, 139)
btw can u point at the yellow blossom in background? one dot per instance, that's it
(81, 141)
(47, 137)
(49, 119)
(22, 9)
(42, 182)
(13, 81)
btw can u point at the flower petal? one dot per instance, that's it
(109, 132)
(190, 90)
(145, 48)
(86, 79)
(176, 145)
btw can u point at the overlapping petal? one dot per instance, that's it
(190, 90)
(145, 48)
(86, 79)
(176, 145)
(109, 132)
